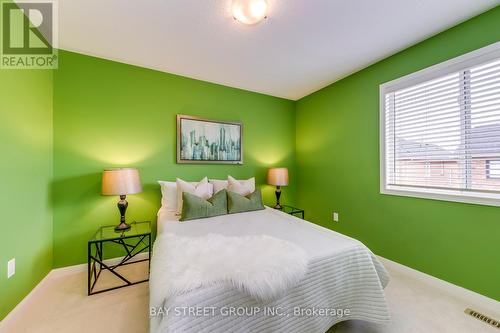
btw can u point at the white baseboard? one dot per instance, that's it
(58, 272)
(484, 302)
(16, 312)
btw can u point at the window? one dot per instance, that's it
(493, 169)
(440, 130)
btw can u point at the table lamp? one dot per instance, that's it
(278, 177)
(121, 181)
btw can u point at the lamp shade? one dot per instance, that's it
(121, 181)
(277, 176)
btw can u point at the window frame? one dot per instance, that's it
(460, 63)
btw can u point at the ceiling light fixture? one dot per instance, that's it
(249, 12)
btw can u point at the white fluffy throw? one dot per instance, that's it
(261, 266)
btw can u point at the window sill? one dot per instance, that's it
(470, 197)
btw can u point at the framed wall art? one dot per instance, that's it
(209, 141)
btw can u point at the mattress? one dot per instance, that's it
(344, 281)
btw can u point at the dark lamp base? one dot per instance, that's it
(122, 227)
(278, 195)
(122, 207)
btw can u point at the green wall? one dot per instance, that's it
(338, 162)
(111, 114)
(26, 172)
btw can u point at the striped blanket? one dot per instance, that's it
(344, 281)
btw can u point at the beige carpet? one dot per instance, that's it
(60, 305)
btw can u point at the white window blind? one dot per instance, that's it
(441, 131)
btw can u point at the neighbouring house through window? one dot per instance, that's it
(493, 169)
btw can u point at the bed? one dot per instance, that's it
(342, 274)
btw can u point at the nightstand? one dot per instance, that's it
(292, 210)
(132, 242)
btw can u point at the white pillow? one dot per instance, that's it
(242, 187)
(168, 195)
(203, 189)
(219, 184)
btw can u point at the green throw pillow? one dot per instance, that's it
(194, 207)
(237, 203)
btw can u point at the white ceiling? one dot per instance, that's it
(302, 46)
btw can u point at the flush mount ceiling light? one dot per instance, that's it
(249, 11)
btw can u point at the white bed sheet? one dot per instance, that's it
(315, 239)
(343, 274)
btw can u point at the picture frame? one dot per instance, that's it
(206, 141)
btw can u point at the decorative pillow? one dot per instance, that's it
(218, 184)
(168, 195)
(237, 203)
(195, 207)
(202, 189)
(242, 187)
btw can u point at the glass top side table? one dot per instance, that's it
(132, 242)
